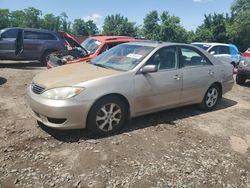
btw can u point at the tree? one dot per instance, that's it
(4, 18)
(78, 27)
(50, 22)
(118, 25)
(151, 26)
(32, 17)
(213, 29)
(91, 28)
(239, 30)
(64, 21)
(17, 18)
(171, 30)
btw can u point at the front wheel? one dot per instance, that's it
(107, 116)
(211, 98)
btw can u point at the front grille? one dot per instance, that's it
(36, 88)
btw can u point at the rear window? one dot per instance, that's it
(38, 36)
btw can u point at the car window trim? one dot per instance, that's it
(196, 50)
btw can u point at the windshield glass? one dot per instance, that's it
(91, 45)
(203, 46)
(123, 57)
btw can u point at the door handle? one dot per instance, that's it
(177, 77)
(210, 72)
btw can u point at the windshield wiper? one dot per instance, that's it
(100, 65)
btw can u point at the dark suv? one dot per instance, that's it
(38, 44)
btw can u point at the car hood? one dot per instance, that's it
(69, 75)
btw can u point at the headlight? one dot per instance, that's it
(62, 93)
(244, 63)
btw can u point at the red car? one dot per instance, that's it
(247, 53)
(87, 50)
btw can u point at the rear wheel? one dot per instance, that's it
(211, 98)
(107, 116)
(240, 79)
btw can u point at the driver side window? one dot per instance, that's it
(165, 58)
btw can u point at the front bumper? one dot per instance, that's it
(59, 114)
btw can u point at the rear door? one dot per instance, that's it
(198, 73)
(7, 44)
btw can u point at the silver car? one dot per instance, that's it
(130, 80)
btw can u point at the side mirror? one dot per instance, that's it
(19, 43)
(212, 52)
(149, 69)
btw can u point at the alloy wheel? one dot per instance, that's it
(108, 116)
(212, 97)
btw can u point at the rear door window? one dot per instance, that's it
(38, 36)
(215, 50)
(190, 58)
(11, 33)
(224, 50)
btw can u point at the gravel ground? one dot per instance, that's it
(183, 147)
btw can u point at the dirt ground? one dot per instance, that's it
(184, 147)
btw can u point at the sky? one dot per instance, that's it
(191, 12)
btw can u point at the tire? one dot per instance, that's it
(211, 98)
(45, 57)
(240, 79)
(112, 114)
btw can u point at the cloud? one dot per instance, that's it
(95, 17)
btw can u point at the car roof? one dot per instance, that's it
(156, 44)
(211, 43)
(31, 29)
(112, 38)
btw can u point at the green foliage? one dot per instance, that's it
(171, 30)
(216, 27)
(51, 22)
(80, 27)
(4, 18)
(118, 25)
(239, 31)
(151, 27)
(32, 17)
(17, 18)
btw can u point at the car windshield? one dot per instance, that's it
(123, 57)
(203, 46)
(91, 45)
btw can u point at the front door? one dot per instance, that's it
(7, 44)
(162, 89)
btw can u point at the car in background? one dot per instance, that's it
(247, 53)
(38, 44)
(225, 52)
(87, 50)
(129, 80)
(243, 71)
